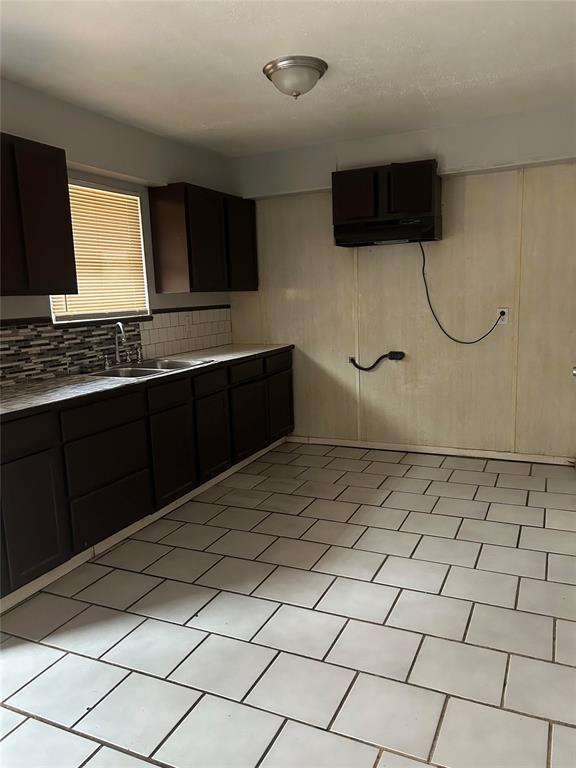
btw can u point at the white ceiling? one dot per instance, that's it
(192, 70)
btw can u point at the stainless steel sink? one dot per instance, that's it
(128, 373)
(168, 365)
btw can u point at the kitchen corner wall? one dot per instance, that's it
(508, 242)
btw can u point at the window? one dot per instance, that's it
(109, 257)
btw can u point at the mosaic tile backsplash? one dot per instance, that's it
(42, 350)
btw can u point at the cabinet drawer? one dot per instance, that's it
(207, 383)
(23, 437)
(169, 395)
(106, 457)
(100, 514)
(246, 371)
(104, 414)
(277, 363)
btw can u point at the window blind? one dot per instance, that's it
(109, 257)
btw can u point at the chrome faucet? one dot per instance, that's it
(119, 332)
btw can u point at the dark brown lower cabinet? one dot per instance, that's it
(280, 409)
(34, 516)
(98, 460)
(99, 514)
(75, 476)
(249, 418)
(5, 587)
(213, 434)
(173, 453)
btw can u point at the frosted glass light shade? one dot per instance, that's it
(295, 75)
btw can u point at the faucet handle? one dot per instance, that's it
(107, 362)
(139, 355)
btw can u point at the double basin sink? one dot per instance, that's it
(149, 368)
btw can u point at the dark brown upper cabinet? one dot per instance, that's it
(384, 192)
(355, 195)
(37, 245)
(203, 240)
(241, 243)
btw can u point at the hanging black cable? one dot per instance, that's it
(444, 331)
(387, 356)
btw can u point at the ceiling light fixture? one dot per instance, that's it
(295, 75)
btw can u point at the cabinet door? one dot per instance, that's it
(241, 244)
(14, 275)
(212, 434)
(280, 407)
(36, 208)
(170, 238)
(35, 516)
(173, 454)
(5, 587)
(206, 240)
(412, 187)
(249, 418)
(354, 195)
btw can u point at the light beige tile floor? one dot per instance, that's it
(326, 606)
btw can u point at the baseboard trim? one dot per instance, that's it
(29, 590)
(446, 451)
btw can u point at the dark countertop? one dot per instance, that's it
(41, 393)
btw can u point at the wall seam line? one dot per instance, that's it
(357, 342)
(519, 260)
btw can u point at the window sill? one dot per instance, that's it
(102, 321)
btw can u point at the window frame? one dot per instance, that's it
(79, 179)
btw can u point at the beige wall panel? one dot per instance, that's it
(306, 297)
(445, 394)
(247, 317)
(547, 341)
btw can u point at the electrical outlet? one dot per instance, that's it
(503, 318)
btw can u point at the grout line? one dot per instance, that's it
(333, 579)
(88, 737)
(261, 675)
(80, 589)
(180, 721)
(335, 640)
(343, 701)
(87, 760)
(37, 675)
(477, 559)
(271, 744)
(179, 664)
(438, 729)
(549, 747)
(91, 708)
(261, 627)
(505, 680)
(413, 662)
